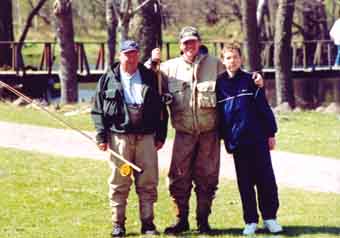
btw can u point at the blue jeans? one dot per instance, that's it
(337, 59)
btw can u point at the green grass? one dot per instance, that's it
(301, 132)
(309, 133)
(46, 196)
(34, 116)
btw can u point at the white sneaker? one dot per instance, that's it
(250, 229)
(272, 225)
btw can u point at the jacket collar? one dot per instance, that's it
(116, 71)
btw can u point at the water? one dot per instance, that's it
(86, 92)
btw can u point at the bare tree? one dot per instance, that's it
(68, 61)
(6, 32)
(251, 38)
(283, 53)
(266, 14)
(150, 33)
(118, 16)
(124, 13)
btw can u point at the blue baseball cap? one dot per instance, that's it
(129, 45)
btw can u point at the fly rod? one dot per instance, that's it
(60, 120)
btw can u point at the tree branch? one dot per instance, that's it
(43, 17)
(116, 12)
(139, 7)
(20, 62)
(300, 28)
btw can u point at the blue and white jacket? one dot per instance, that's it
(245, 116)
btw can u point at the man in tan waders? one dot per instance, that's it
(190, 79)
(126, 114)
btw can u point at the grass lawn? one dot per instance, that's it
(46, 196)
(301, 132)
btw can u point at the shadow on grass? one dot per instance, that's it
(289, 231)
(301, 230)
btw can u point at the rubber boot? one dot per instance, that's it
(181, 224)
(202, 214)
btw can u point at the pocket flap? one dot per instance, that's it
(110, 93)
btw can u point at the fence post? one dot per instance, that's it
(329, 54)
(167, 50)
(101, 57)
(14, 56)
(304, 55)
(49, 60)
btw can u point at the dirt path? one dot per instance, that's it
(293, 170)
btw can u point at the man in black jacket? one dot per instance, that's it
(127, 116)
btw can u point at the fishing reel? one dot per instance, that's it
(167, 98)
(125, 170)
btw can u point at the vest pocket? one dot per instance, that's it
(206, 96)
(180, 93)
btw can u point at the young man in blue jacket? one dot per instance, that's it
(248, 127)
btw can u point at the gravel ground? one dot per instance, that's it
(293, 170)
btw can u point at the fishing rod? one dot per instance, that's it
(123, 169)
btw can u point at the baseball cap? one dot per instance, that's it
(189, 33)
(129, 45)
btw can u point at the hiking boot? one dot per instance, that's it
(149, 229)
(180, 226)
(118, 231)
(272, 225)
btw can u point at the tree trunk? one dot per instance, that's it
(124, 21)
(251, 38)
(272, 10)
(6, 32)
(111, 21)
(283, 53)
(124, 28)
(68, 59)
(314, 27)
(150, 33)
(261, 11)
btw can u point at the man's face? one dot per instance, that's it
(232, 60)
(130, 58)
(190, 48)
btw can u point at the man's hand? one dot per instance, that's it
(271, 143)
(158, 145)
(102, 146)
(156, 55)
(258, 79)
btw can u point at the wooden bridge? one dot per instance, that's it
(310, 58)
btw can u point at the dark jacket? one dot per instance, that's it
(244, 113)
(110, 113)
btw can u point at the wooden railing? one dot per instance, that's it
(48, 56)
(308, 54)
